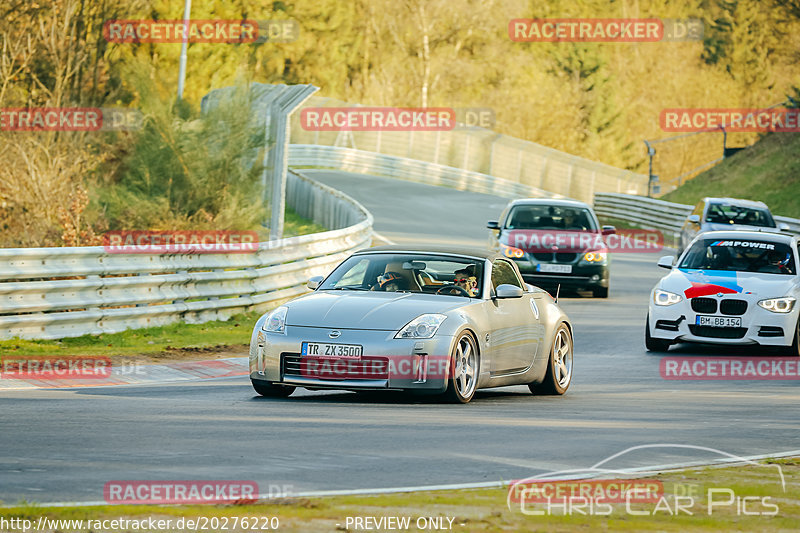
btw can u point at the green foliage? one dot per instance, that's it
(197, 173)
(768, 171)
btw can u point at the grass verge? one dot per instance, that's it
(768, 171)
(174, 341)
(731, 491)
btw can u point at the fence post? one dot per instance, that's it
(651, 178)
(466, 153)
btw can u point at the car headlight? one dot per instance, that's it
(422, 327)
(595, 257)
(276, 320)
(511, 252)
(661, 297)
(778, 305)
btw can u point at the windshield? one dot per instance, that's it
(423, 273)
(741, 256)
(550, 217)
(734, 214)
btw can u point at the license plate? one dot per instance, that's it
(334, 351)
(719, 321)
(558, 269)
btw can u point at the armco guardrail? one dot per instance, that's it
(483, 151)
(50, 293)
(656, 214)
(352, 160)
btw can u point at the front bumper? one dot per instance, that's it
(582, 275)
(678, 322)
(386, 364)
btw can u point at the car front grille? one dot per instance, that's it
(733, 307)
(704, 305)
(367, 368)
(551, 257)
(717, 333)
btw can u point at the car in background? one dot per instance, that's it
(729, 287)
(552, 264)
(415, 318)
(721, 214)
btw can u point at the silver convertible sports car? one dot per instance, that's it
(420, 319)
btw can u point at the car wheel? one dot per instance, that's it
(794, 349)
(600, 292)
(653, 344)
(464, 366)
(559, 367)
(270, 390)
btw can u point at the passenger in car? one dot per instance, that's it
(464, 279)
(391, 282)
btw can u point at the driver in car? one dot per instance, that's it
(464, 279)
(776, 263)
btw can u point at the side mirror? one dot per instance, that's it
(314, 282)
(694, 219)
(609, 230)
(667, 261)
(507, 290)
(492, 224)
(783, 226)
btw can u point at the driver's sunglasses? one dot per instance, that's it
(465, 280)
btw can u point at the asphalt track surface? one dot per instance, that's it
(64, 445)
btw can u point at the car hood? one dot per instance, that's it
(692, 283)
(714, 226)
(366, 310)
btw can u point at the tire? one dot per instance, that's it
(794, 349)
(600, 292)
(559, 366)
(464, 370)
(652, 344)
(270, 390)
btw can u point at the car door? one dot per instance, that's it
(515, 328)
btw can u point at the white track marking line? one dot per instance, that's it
(381, 237)
(485, 484)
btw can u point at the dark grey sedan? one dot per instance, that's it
(421, 319)
(723, 214)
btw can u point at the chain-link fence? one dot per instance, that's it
(482, 150)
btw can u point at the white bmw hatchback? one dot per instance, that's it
(728, 287)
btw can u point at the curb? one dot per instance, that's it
(139, 374)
